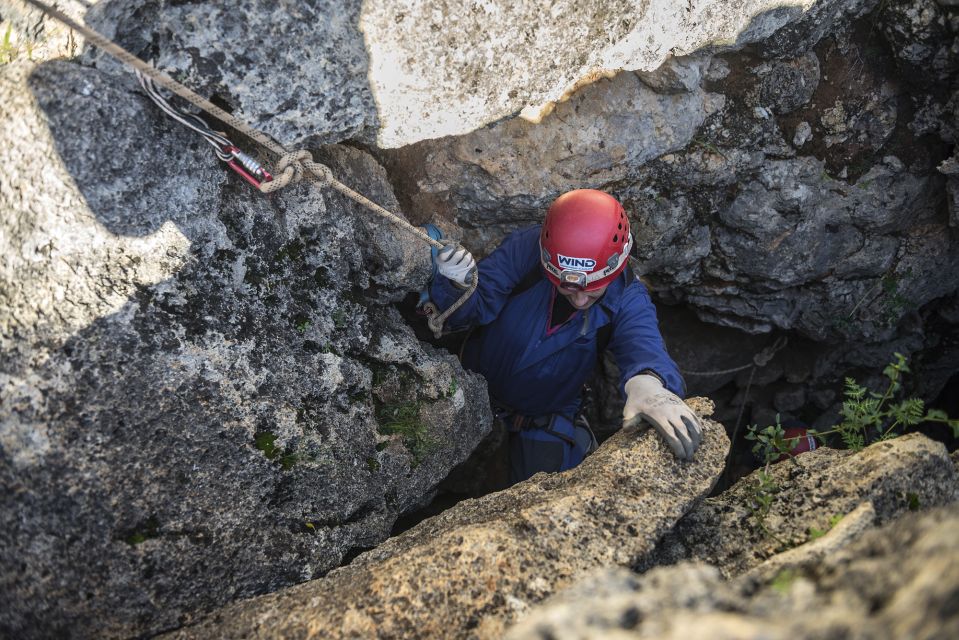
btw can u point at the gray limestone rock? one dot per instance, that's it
(896, 582)
(897, 476)
(202, 393)
(296, 70)
(790, 84)
(484, 562)
(923, 39)
(318, 71)
(677, 75)
(507, 173)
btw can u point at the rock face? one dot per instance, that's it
(900, 581)
(401, 72)
(896, 476)
(789, 188)
(481, 563)
(203, 395)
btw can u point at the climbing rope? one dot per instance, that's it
(761, 359)
(292, 166)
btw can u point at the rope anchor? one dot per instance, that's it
(244, 164)
(291, 167)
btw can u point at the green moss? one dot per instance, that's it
(292, 251)
(404, 420)
(265, 441)
(913, 501)
(340, 317)
(143, 532)
(372, 464)
(784, 580)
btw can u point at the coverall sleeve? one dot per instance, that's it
(637, 344)
(499, 273)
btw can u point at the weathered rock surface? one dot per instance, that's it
(480, 564)
(202, 393)
(403, 71)
(789, 188)
(896, 476)
(900, 581)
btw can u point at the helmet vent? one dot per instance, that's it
(620, 226)
(616, 238)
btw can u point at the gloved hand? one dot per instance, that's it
(456, 263)
(648, 399)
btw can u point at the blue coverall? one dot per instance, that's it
(532, 371)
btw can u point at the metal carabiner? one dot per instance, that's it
(248, 168)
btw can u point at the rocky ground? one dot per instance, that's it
(207, 395)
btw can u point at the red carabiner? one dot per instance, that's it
(248, 168)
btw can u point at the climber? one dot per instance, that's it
(550, 299)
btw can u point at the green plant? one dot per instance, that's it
(452, 388)
(339, 317)
(771, 442)
(265, 441)
(762, 498)
(869, 415)
(708, 146)
(815, 533)
(8, 49)
(784, 580)
(404, 420)
(891, 302)
(866, 416)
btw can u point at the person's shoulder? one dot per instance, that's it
(635, 291)
(522, 240)
(525, 234)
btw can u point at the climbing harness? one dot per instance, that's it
(291, 166)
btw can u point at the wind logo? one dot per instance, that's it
(567, 262)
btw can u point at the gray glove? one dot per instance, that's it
(647, 399)
(456, 263)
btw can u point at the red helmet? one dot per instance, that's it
(585, 240)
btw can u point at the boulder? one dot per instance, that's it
(899, 581)
(483, 562)
(396, 72)
(897, 476)
(203, 393)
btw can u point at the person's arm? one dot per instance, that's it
(499, 273)
(637, 344)
(650, 379)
